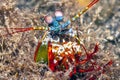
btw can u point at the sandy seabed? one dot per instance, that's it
(99, 24)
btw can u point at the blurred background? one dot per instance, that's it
(100, 24)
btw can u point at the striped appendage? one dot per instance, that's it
(84, 10)
(79, 14)
(11, 31)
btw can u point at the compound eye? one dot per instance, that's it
(49, 19)
(59, 15)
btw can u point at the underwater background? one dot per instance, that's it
(100, 24)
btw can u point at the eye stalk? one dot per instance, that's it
(58, 15)
(48, 19)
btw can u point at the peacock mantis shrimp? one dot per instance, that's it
(61, 55)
